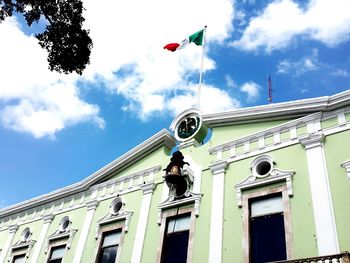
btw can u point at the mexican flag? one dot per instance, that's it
(196, 38)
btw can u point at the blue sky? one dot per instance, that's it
(57, 129)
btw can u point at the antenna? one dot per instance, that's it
(269, 87)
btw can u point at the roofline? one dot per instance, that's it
(292, 109)
(162, 138)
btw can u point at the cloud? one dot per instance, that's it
(127, 59)
(327, 21)
(212, 99)
(230, 81)
(34, 99)
(130, 61)
(252, 90)
(299, 67)
(341, 73)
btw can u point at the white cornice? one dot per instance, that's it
(162, 138)
(287, 125)
(218, 167)
(291, 109)
(312, 140)
(346, 166)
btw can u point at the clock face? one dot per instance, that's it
(188, 126)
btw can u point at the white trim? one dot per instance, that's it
(171, 202)
(142, 222)
(346, 166)
(47, 221)
(217, 212)
(162, 138)
(91, 208)
(276, 111)
(268, 132)
(12, 231)
(92, 193)
(326, 232)
(252, 181)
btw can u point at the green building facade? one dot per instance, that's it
(255, 184)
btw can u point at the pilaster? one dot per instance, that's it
(91, 207)
(217, 211)
(47, 219)
(327, 239)
(142, 222)
(12, 231)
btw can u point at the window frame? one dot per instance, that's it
(101, 247)
(21, 253)
(64, 246)
(56, 243)
(109, 227)
(179, 211)
(247, 198)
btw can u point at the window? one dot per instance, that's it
(64, 224)
(109, 246)
(175, 244)
(267, 231)
(56, 255)
(19, 258)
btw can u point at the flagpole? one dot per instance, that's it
(201, 68)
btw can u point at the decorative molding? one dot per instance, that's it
(111, 218)
(259, 160)
(162, 138)
(274, 176)
(92, 204)
(148, 188)
(276, 111)
(48, 218)
(218, 167)
(68, 234)
(25, 247)
(172, 202)
(313, 140)
(13, 228)
(273, 131)
(346, 165)
(139, 177)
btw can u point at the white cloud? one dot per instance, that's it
(35, 99)
(327, 21)
(341, 73)
(230, 81)
(212, 100)
(128, 53)
(252, 90)
(127, 59)
(301, 66)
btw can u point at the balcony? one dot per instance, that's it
(343, 257)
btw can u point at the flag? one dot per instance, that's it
(196, 38)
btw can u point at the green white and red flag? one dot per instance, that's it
(196, 38)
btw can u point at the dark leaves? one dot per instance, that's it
(67, 43)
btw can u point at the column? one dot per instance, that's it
(327, 239)
(217, 211)
(47, 221)
(91, 207)
(142, 223)
(4, 252)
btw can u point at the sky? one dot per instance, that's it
(56, 129)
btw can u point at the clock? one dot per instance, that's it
(188, 125)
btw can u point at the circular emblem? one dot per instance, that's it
(188, 127)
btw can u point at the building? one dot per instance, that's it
(254, 184)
